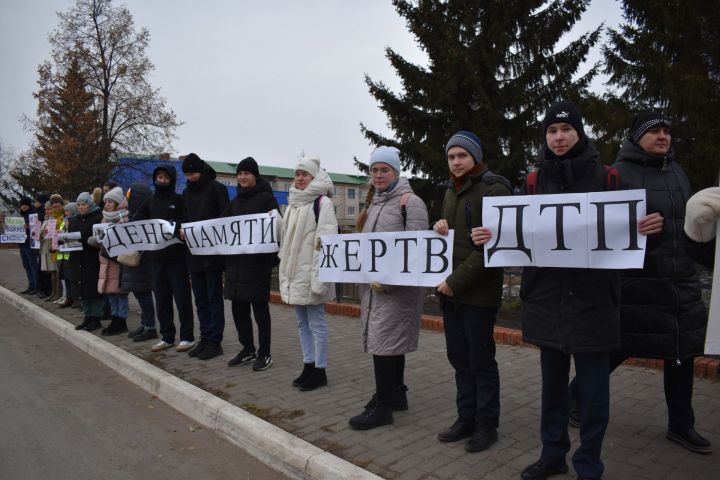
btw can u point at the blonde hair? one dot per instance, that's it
(97, 195)
(362, 218)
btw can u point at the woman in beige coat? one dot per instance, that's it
(390, 314)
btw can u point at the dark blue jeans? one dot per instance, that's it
(30, 264)
(471, 351)
(171, 279)
(593, 385)
(147, 309)
(208, 291)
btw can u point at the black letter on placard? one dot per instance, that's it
(405, 251)
(271, 229)
(632, 223)
(235, 230)
(374, 255)
(220, 237)
(559, 232)
(349, 254)
(151, 233)
(328, 255)
(111, 233)
(441, 254)
(518, 230)
(131, 231)
(250, 236)
(204, 237)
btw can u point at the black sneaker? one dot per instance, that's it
(262, 363)
(459, 430)
(246, 356)
(691, 440)
(145, 335)
(137, 331)
(211, 350)
(481, 440)
(198, 348)
(541, 470)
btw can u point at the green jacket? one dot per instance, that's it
(471, 282)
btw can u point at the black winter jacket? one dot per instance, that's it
(662, 312)
(205, 199)
(138, 279)
(575, 310)
(86, 263)
(164, 204)
(247, 277)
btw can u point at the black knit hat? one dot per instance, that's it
(645, 121)
(248, 165)
(42, 198)
(193, 164)
(27, 201)
(564, 112)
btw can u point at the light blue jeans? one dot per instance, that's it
(118, 304)
(312, 329)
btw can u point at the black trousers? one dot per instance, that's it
(389, 373)
(171, 280)
(471, 351)
(243, 325)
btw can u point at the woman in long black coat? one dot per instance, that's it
(86, 262)
(247, 277)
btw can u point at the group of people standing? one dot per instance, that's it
(596, 317)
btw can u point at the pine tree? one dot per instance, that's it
(494, 67)
(68, 153)
(666, 57)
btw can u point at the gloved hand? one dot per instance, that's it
(701, 215)
(92, 241)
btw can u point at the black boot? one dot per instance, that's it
(145, 335)
(375, 415)
(484, 436)
(117, 326)
(94, 324)
(197, 349)
(137, 331)
(315, 379)
(399, 398)
(459, 430)
(691, 440)
(212, 350)
(84, 324)
(307, 368)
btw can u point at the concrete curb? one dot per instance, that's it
(271, 445)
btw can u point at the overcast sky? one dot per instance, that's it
(268, 79)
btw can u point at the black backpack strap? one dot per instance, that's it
(316, 207)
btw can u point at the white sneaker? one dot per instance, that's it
(184, 346)
(60, 300)
(160, 346)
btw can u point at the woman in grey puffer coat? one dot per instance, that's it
(390, 314)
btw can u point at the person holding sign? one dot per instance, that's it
(86, 263)
(701, 216)
(28, 257)
(662, 311)
(470, 296)
(247, 277)
(64, 269)
(309, 215)
(390, 314)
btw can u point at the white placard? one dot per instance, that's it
(14, 231)
(578, 230)
(122, 238)
(712, 337)
(242, 234)
(69, 242)
(415, 258)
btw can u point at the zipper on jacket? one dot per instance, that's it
(666, 168)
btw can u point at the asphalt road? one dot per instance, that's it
(63, 415)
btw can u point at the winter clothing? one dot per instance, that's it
(193, 164)
(469, 141)
(85, 263)
(564, 112)
(391, 319)
(299, 247)
(310, 165)
(388, 155)
(701, 215)
(116, 195)
(646, 121)
(662, 311)
(248, 165)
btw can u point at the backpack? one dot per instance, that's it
(612, 180)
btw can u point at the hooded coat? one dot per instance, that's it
(662, 311)
(138, 279)
(85, 263)
(204, 199)
(164, 204)
(299, 246)
(247, 277)
(574, 310)
(391, 319)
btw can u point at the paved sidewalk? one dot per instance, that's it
(635, 446)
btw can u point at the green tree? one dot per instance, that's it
(666, 56)
(493, 68)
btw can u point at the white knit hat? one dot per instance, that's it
(701, 214)
(116, 195)
(310, 165)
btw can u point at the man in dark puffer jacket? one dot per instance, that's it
(662, 312)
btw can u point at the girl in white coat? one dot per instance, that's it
(309, 215)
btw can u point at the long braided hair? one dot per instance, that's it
(360, 222)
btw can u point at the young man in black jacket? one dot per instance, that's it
(170, 272)
(205, 198)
